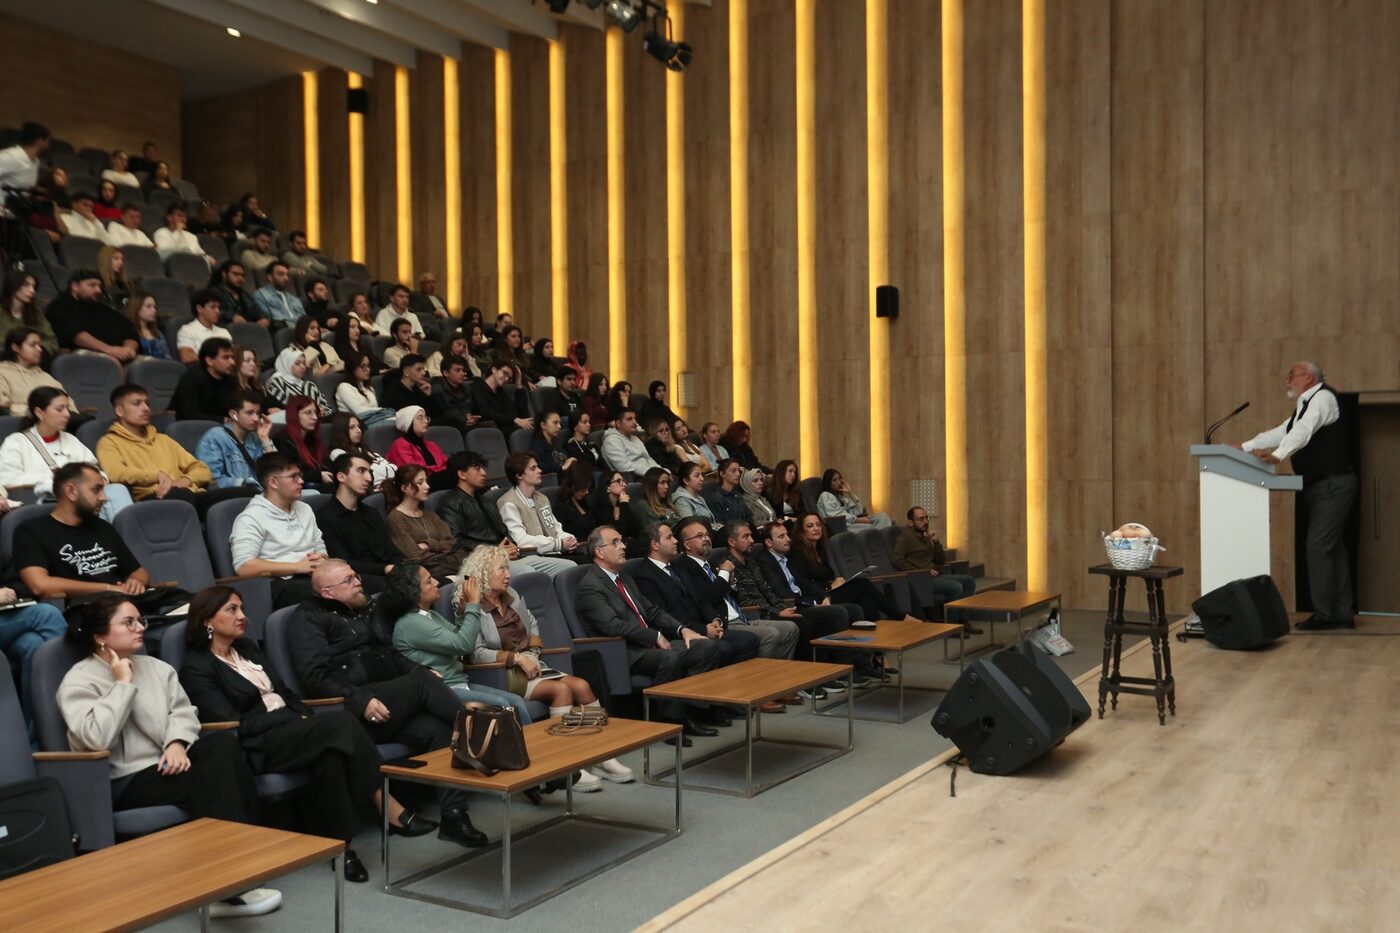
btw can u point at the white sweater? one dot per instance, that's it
(22, 465)
(348, 398)
(119, 236)
(262, 530)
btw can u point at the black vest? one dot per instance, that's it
(1329, 451)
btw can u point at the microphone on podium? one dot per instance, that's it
(1211, 430)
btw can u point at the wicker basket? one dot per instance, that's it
(1131, 553)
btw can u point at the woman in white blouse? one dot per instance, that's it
(119, 173)
(356, 393)
(29, 457)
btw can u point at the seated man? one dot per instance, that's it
(299, 258)
(610, 604)
(205, 326)
(149, 463)
(276, 533)
(235, 305)
(623, 447)
(23, 630)
(569, 401)
(203, 392)
(318, 304)
(475, 520)
(425, 302)
(527, 513)
(71, 552)
(174, 238)
(354, 532)
(495, 404)
(338, 651)
(260, 256)
(918, 548)
(453, 394)
(231, 451)
(81, 320)
(404, 342)
(81, 221)
(127, 231)
(276, 300)
(398, 308)
(410, 385)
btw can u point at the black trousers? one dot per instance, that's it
(421, 711)
(819, 621)
(204, 501)
(219, 783)
(736, 645)
(344, 767)
(290, 591)
(873, 602)
(663, 666)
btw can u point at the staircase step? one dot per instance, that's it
(975, 570)
(950, 554)
(995, 583)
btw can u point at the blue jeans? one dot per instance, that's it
(118, 498)
(494, 697)
(22, 631)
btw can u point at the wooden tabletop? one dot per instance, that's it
(750, 683)
(1155, 572)
(551, 756)
(891, 635)
(1004, 601)
(135, 884)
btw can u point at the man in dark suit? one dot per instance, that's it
(610, 604)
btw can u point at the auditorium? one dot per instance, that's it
(689, 465)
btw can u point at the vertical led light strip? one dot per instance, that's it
(505, 221)
(403, 180)
(558, 197)
(617, 233)
(954, 295)
(357, 175)
(877, 157)
(739, 208)
(675, 213)
(809, 413)
(311, 134)
(1033, 169)
(452, 182)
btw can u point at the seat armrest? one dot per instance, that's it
(597, 639)
(325, 701)
(86, 780)
(218, 726)
(40, 757)
(493, 666)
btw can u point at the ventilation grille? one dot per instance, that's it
(924, 494)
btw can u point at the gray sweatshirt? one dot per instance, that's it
(262, 530)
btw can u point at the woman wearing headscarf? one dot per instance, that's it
(412, 448)
(290, 379)
(578, 362)
(751, 482)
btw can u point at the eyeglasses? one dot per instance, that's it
(291, 477)
(618, 482)
(134, 624)
(350, 579)
(697, 536)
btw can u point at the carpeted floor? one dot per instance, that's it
(720, 833)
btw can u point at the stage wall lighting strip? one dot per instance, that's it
(675, 215)
(1034, 221)
(558, 197)
(505, 224)
(311, 135)
(617, 232)
(809, 423)
(403, 179)
(877, 118)
(739, 208)
(954, 306)
(357, 174)
(452, 182)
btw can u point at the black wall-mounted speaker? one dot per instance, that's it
(357, 100)
(886, 301)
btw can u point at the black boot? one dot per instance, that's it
(457, 827)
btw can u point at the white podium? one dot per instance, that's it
(1235, 490)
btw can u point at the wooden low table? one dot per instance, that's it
(551, 756)
(750, 684)
(896, 636)
(1007, 604)
(131, 885)
(1162, 685)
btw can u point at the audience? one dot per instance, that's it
(82, 321)
(751, 483)
(785, 493)
(594, 400)
(654, 504)
(541, 361)
(510, 351)
(106, 207)
(452, 396)
(259, 256)
(418, 534)
(19, 309)
(577, 362)
(276, 300)
(127, 231)
(610, 503)
(120, 173)
(456, 346)
(726, 500)
(276, 534)
(254, 216)
(918, 549)
(575, 509)
(654, 407)
(413, 448)
(148, 160)
(289, 380)
(475, 521)
(618, 398)
(837, 501)
(83, 220)
(19, 164)
(498, 406)
(23, 631)
(174, 238)
(356, 393)
(318, 304)
(736, 441)
(352, 531)
(686, 448)
(580, 447)
(357, 307)
(299, 258)
(710, 447)
(661, 446)
(205, 326)
(111, 267)
(408, 384)
(249, 380)
(20, 371)
(623, 447)
(688, 499)
(231, 451)
(395, 309)
(526, 512)
(159, 179)
(204, 390)
(29, 457)
(404, 345)
(348, 437)
(302, 442)
(544, 444)
(425, 302)
(810, 566)
(145, 317)
(235, 305)
(320, 356)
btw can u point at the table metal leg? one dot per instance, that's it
(851, 708)
(962, 648)
(678, 786)
(340, 892)
(646, 749)
(899, 680)
(384, 829)
(569, 794)
(203, 918)
(748, 751)
(505, 853)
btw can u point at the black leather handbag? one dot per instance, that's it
(488, 739)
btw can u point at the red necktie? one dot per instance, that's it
(633, 606)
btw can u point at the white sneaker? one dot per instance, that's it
(613, 770)
(586, 783)
(252, 903)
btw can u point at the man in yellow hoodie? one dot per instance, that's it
(151, 464)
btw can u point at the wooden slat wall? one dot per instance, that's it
(587, 183)
(381, 196)
(529, 75)
(429, 182)
(476, 78)
(335, 163)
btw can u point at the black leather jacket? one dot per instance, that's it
(472, 519)
(341, 652)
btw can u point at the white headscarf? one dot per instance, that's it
(285, 359)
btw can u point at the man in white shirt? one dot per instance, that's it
(190, 337)
(81, 221)
(624, 448)
(277, 534)
(120, 172)
(261, 255)
(127, 231)
(174, 238)
(19, 164)
(1316, 439)
(398, 308)
(276, 300)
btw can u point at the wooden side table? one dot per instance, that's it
(1162, 685)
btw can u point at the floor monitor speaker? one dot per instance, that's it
(1009, 708)
(1243, 614)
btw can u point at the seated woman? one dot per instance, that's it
(290, 379)
(351, 337)
(160, 178)
(578, 446)
(250, 380)
(726, 500)
(456, 346)
(736, 440)
(412, 448)
(578, 362)
(320, 356)
(785, 492)
(356, 393)
(595, 400)
(421, 634)
(417, 534)
(654, 504)
(116, 287)
(837, 501)
(609, 504)
(686, 447)
(18, 308)
(106, 207)
(809, 564)
(21, 371)
(662, 446)
(508, 633)
(510, 349)
(145, 317)
(29, 457)
(132, 706)
(710, 447)
(302, 442)
(542, 361)
(618, 398)
(654, 406)
(688, 499)
(573, 512)
(229, 679)
(551, 457)
(348, 436)
(479, 349)
(751, 483)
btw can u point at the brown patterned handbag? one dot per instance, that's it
(488, 739)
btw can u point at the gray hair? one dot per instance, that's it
(1313, 369)
(595, 540)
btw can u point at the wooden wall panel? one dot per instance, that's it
(334, 123)
(381, 195)
(995, 294)
(773, 230)
(476, 78)
(843, 244)
(587, 183)
(429, 181)
(916, 249)
(74, 101)
(529, 73)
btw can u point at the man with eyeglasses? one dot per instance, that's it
(339, 649)
(609, 603)
(276, 533)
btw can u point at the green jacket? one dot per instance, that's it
(435, 642)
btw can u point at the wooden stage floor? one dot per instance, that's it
(1269, 803)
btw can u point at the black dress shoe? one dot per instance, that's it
(412, 823)
(355, 871)
(691, 727)
(971, 629)
(685, 742)
(714, 716)
(457, 827)
(534, 796)
(1315, 623)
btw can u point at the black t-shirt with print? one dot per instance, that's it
(91, 551)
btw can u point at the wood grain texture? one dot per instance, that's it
(381, 197)
(334, 163)
(587, 190)
(476, 81)
(529, 75)
(429, 182)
